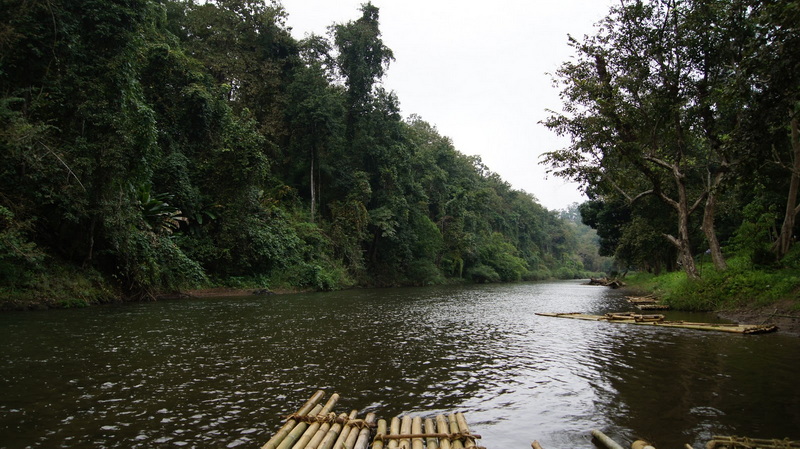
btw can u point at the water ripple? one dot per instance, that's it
(221, 372)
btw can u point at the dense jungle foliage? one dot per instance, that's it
(149, 146)
(683, 117)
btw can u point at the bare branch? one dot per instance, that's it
(630, 199)
(69, 170)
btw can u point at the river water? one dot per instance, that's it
(221, 372)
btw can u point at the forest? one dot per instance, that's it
(684, 123)
(154, 146)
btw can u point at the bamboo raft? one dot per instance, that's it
(726, 442)
(646, 303)
(316, 426)
(659, 321)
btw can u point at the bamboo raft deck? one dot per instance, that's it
(315, 426)
(646, 303)
(659, 321)
(734, 442)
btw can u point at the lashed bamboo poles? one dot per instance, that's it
(319, 428)
(449, 434)
(363, 435)
(323, 430)
(333, 433)
(456, 444)
(309, 433)
(461, 420)
(298, 430)
(341, 442)
(732, 442)
(281, 434)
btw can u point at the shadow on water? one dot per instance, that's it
(221, 372)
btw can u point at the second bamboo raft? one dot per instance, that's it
(659, 321)
(315, 426)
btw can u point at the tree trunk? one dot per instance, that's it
(685, 251)
(313, 189)
(786, 237)
(708, 224)
(682, 242)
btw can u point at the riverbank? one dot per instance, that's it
(782, 315)
(219, 292)
(742, 293)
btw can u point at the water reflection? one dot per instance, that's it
(222, 372)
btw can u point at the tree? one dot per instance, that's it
(771, 76)
(642, 108)
(362, 61)
(315, 113)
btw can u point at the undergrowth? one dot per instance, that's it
(742, 285)
(58, 286)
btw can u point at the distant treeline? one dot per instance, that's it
(684, 119)
(155, 145)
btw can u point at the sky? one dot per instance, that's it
(478, 71)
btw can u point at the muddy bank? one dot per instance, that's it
(227, 291)
(787, 320)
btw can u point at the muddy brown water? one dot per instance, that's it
(221, 372)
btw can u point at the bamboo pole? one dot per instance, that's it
(312, 429)
(298, 430)
(441, 424)
(430, 427)
(363, 435)
(416, 428)
(333, 433)
(641, 444)
(456, 444)
(405, 429)
(281, 434)
(340, 442)
(394, 429)
(378, 444)
(305, 440)
(461, 420)
(605, 440)
(323, 430)
(347, 430)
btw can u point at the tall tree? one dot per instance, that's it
(362, 61)
(641, 108)
(772, 75)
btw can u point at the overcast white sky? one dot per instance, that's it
(477, 71)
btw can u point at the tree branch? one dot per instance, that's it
(69, 170)
(625, 194)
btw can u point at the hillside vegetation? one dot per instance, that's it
(151, 146)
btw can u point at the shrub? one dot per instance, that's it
(482, 273)
(425, 272)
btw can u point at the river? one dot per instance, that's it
(221, 372)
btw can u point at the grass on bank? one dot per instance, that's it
(61, 286)
(743, 285)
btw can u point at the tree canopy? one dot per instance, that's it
(682, 116)
(155, 145)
